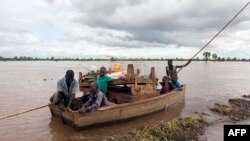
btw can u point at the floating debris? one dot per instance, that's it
(44, 79)
(237, 110)
(177, 129)
(221, 109)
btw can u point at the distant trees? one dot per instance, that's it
(207, 56)
(234, 59)
(112, 59)
(214, 56)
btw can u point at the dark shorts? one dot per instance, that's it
(85, 98)
(176, 84)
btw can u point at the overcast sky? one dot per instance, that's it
(125, 28)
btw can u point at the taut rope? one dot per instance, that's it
(8, 116)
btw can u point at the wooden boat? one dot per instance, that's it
(131, 97)
(116, 112)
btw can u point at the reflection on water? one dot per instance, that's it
(26, 85)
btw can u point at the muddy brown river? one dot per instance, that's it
(25, 85)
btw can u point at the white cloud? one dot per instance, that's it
(146, 28)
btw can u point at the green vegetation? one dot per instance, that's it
(207, 56)
(177, 129)
(214, 56)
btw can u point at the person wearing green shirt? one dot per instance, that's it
(103, 81)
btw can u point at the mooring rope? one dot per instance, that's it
(33, 109)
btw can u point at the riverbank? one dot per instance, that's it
(190, 128)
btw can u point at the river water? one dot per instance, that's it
(29, 84)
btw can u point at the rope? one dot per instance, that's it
(8, 116)
(219, 32)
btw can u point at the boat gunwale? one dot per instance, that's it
(102, 109)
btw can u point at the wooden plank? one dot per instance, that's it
(140, 80)
(130, 98)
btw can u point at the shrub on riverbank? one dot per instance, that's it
(177, 129)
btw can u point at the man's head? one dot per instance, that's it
(93, 87)
(69, 76)
(170, 62)
(102, 71)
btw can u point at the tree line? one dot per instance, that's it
(207, 56)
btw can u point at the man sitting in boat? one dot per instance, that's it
(97, 99)
(172, 73)
(66, 90)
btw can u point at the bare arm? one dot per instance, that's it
(71, 99)
(167, 71)
(189, 61)
(74, 90)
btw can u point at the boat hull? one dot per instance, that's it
(118, 112)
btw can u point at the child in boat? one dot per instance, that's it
(103, 80)
(166, 84)
(97, 99)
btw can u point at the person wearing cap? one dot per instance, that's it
(67, 87)
(172, 73)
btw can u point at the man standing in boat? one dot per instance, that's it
(97, 99)
(66, 90)
(172, 73)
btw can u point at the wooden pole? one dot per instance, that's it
(219, 32)
(19, 113)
